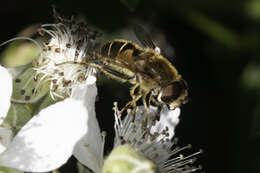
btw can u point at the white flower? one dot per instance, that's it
(152, 137)
(49, 139)
(71, 42)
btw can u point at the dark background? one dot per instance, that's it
(216, 49)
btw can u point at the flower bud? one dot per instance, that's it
(125, 159)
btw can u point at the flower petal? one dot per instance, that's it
(169, 119)
(5, 92)
(88, 150)
(47, 140)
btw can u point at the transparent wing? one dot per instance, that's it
(143, 36)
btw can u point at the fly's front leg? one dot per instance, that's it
(147, 106)
(159, 107)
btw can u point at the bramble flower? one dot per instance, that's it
(71, 41)
(151, 139)
(50, 138)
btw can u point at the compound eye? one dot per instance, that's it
(173, 91)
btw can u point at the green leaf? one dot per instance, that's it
(26, 89)
(18, 115)
(214, 29)
(131, 4)
(253, 9)
(8, 170)
(250, 77)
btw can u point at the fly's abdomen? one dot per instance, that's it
(114, 48)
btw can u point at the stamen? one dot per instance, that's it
(68, 47)
(136, 132)
(103, 134)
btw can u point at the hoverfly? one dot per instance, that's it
(154, 79)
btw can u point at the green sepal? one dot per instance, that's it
(24, 87)
(19, 53)
(45, 102)
(8, 170)
(18, 115)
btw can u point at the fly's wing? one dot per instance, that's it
(143, 36)
(116, 68)
(145, 39)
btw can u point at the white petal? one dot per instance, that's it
(47, 140)
(168, 118)
(88, 150)
(91, 80)
(5, 138)
(5, 92)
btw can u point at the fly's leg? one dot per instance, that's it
(159, 108)
(135, 98)
(132, 91)
(147, 108)
(131, 103)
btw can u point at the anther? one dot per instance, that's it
(68, 45)
(57, 50)
(27, 98)
(17, 80)
(76, 53)
(103, 133)
(22, 92)
(54, 81)
(35, 63)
